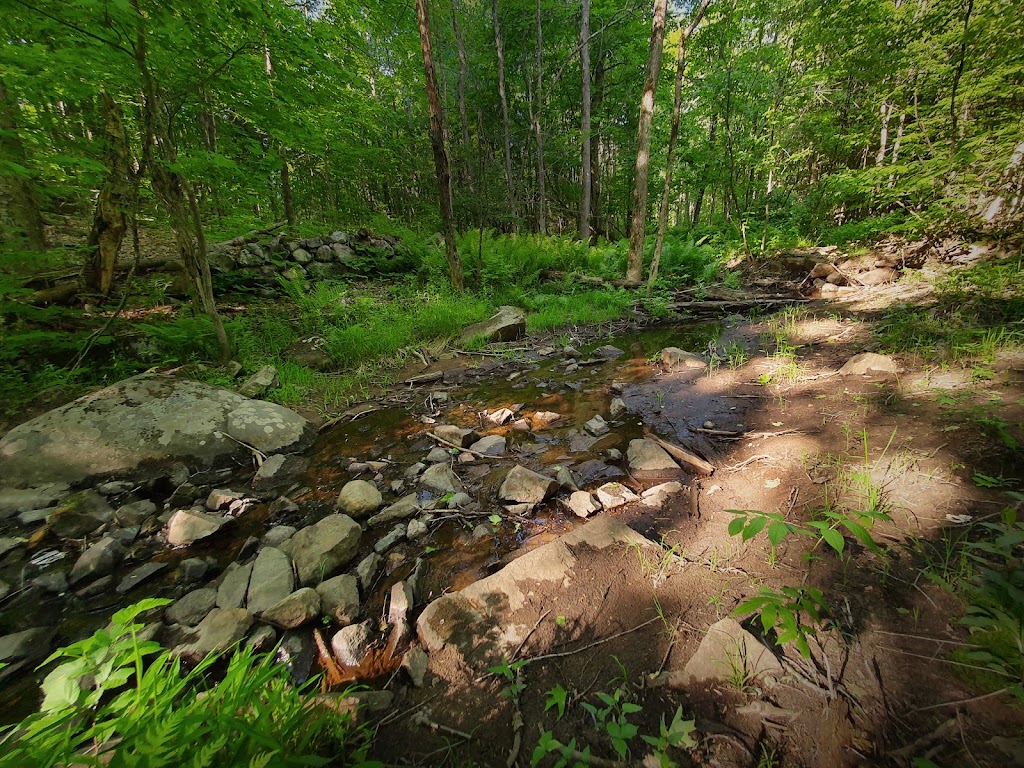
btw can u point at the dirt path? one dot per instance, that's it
(912, 447)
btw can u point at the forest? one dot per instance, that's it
(511, 382)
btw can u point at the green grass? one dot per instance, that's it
(977, 313)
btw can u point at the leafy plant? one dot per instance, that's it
(250, 716)
(784, 610)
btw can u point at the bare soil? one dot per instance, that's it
(880, 688)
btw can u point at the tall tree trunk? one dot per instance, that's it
(885, 111)
(542, 214)
(286, 188)
(173, 190)
(595, 146)
(500, 46)
(673, 139)
(585, 121)
(467, 164)
(17, 189)
(444, 174)
(109, 223)
(958, 73)
(637, 229)
(282, 152)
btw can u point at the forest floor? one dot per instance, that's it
(907, 469)
(919, 447)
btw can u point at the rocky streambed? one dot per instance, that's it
(262, 533)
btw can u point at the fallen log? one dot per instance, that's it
(61, 293)
(692, 460)
(248, 237)
(730, 304)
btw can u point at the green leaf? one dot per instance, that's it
(833, 538)
(754, 527)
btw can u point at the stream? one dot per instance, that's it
(461, 546)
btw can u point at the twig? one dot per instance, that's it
(958, 702)
(517, 721)
(594, 644)
(924, 637)
(420, 719)
(946, 661)
(963, 739)
(459, 447)
(542, 617)
(742, 464)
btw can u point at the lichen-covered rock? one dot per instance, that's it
(141, 426)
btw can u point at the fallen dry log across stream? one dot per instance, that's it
(725, 305)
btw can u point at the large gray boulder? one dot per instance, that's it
(319, 550)
(507, 324)
(141, 426)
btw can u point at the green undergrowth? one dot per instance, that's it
(118, 700)
(977, 313)
(363, 330)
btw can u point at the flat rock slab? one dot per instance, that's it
(649, 461)
(144, 422)
(477, 620)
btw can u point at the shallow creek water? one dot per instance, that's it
(453, 556)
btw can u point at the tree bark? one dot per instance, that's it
(500, 46)
(109, 223)
(673, 139)
(444, 174)
(17, 189)
(174, 192)
(282, 152)
(542, 216)
(463, 75)
(585, 121)
(635, 263)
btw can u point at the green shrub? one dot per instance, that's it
(120, 701)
